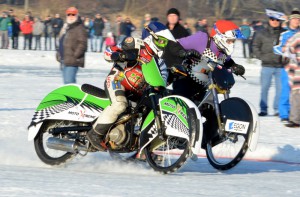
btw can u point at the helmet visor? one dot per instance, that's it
(161, 42)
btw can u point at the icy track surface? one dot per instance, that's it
(27, 76)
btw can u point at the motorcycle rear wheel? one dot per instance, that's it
(50, 156)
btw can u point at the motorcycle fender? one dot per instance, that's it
(148, 131)
(253, 139)
(174, 113)
(33, 130)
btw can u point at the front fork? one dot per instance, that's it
(214, 91)
(160, 129)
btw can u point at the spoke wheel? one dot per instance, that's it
(51, 156)
(168, 156)
(226, 152)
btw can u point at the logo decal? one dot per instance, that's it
(236, 126)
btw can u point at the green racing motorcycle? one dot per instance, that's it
(165, 130)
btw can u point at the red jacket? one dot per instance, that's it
(26, 27)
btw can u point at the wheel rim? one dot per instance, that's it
(230, 148)
(48, 153)
(169, 153)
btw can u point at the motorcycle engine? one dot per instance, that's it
(118, 135)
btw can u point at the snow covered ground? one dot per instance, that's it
(27, 76)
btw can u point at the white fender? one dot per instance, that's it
(33, 130)
(253, 138)
(197, 145)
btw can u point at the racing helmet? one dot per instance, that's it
(224, 34)
(156, 36)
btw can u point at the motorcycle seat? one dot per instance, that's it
(93, 90)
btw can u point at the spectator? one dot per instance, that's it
(258, 25)
(72, 46)
(263, 49)
(246, 31)
(122, 31)
(106, 30)
(116, 27)
(201, 25)
(15, 32)
(109, 40)
(129, 27)
(293, 28)
(170, 55)
(92, 34)
(48, 33)
(57, 24)
(146, 20)
(38, 29)
(4, 22)
(176, 29)
(186, 26)
(98, 36)
(27, 28)
(293, 69)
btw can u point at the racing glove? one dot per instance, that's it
(123, 56)
(190, 54)
(238, 69)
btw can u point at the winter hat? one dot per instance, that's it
(295, 14)
(72, 10)
(223, 26)
(173, 11)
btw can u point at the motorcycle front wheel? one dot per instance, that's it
(224, 151)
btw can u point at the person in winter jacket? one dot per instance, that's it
(4, 23)
(246, 31)
(279, 49)
(27, 28)
(57, 24)
(98, 33)
(201, 25)
(263, 43)
(110, 40)
(126, 74)
(72, 45)
(15, 32)
(38, 29)
(177, 31)
(106, 30)
(129, 27)
(293, 70)
(48, 33)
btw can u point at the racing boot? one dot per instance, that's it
(95, 139)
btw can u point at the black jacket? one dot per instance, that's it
(178, 31)
(171, 55)
(57, 24)
(98, 26)
(263, 46)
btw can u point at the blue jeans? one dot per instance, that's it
(97, 43)
(284, 102)
(69, 74)
(266, 79)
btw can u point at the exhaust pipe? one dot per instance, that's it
(65, 145)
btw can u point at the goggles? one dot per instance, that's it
(159, 41)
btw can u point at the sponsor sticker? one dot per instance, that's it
(236, 126)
